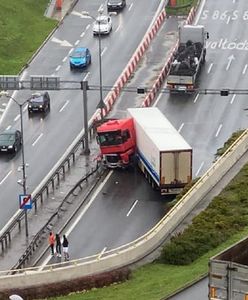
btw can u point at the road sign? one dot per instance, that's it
(25, 201)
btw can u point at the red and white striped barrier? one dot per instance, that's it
(131, 66)
(191, 16)
(159, 81)
(161, 77)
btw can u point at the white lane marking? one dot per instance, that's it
(101, 8)
(200, 9)
(210, 67)
(228, 20)
(132, 207)
(38, 138)
(103, 51)
(230, 60)
(196, 98)
(118, 27)
(63, 107)
(86, 76)
(159, 97)
(4, 104)
(64, 59)
(22, 76)
(17, 117)
(5, 177)
(87, 206)
(101, 253)
(233, 98)
(58, 67)
(244, 70)
(198, 171)
(181, 127)
(77, 42)
(70, 51)
(7, 128)
(82, 34)
(87, 27)
(130, 7)
(218, 131)
(25, 107)
(2, 109)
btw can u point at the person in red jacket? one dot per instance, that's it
(51, 241)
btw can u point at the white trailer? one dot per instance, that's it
(163, 155)
(188, 59)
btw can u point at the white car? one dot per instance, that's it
(102, 25)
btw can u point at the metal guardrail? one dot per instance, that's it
(40, 235)
(48, 186)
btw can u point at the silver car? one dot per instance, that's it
(102, 25)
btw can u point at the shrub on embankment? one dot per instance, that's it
(226, 215)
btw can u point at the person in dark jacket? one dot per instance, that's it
(58, 245)
(65, 245)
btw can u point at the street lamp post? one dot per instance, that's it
(23, 166)
(101, 103)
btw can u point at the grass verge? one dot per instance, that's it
(182, 7)
(23, 29)
(155, 281)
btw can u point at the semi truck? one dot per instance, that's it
(147, 139)
(188, 59)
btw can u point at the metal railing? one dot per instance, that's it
(47, 185)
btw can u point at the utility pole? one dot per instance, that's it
(84, 86)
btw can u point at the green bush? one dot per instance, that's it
(226, 215)
(228, 143)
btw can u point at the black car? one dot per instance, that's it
(115, 5)
(10, 141)
(39, 103)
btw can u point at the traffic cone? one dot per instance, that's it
(173, 3)
(58, 4)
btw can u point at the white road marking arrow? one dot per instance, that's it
(230, 58)
(78, 14)
(63, 43)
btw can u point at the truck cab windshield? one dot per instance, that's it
(110, 138)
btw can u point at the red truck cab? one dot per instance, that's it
(117, 142)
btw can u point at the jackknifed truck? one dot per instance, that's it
(188, 59)
(148, 139)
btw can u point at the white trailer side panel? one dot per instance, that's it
(163, 150)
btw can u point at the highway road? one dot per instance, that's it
(66, 117)
(206, 121)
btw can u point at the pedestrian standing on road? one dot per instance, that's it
(51, 242)
(65, 245)
(58, 245)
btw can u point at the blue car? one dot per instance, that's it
(80, 58)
